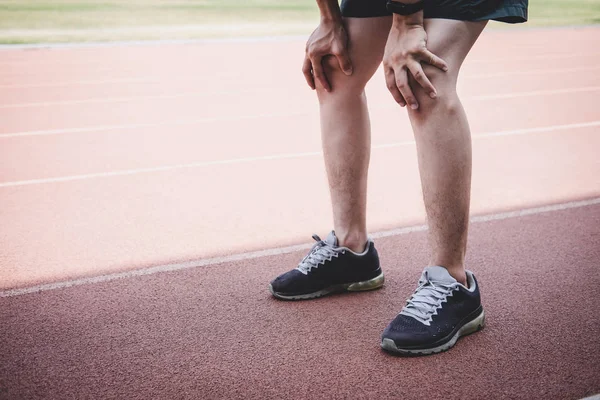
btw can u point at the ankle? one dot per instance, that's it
(458, 273)
(355, 241)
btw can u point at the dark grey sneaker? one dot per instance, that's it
(327, 269)
(439, 312)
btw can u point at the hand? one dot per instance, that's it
(405, 49)
(329, 38)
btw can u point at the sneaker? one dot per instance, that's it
(439, 312)
(327, 269)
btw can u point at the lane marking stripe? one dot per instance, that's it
(126, 98)
(194, 78)
(271, 115)
(277, 251)
(301, 41)
(535, 93)
(195, 121)
(276, 157)
(122, 43)
(206, 94)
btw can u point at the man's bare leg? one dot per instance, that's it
(346, 136)
(345, 128)
(444, 145)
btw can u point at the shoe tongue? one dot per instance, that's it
(438, 274)
(332, 239)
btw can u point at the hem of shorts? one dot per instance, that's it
(507, 14)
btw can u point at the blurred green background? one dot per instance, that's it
(37, 21)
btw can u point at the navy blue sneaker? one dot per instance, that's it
(439, 312)
(327, 269)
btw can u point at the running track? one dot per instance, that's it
(141, 185)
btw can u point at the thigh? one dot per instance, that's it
(451, 40)
(366, 43)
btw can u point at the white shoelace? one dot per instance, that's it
(320, 252)
(427, 298)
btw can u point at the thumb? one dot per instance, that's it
(345, 63)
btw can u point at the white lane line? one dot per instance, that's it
(486, 60)
(195, 79)
(88, 82)
(277, 251)
(545, 71)
(136, 43)
(510, 132)
(158, 169)
(234, 92)
(123, 99)
(104, 128)
(551, 128)
(504, 96)
(164, 168)
(535, 93)
(389, 105)
(552, 56)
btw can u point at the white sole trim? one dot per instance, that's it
(471, 327)
(371, 284)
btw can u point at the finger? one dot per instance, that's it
(345, 63)
(307, 71)
(319, 74)
(390, 81)
(417, 72)
(432, 59)
(404, 88)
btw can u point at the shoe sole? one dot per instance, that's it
(472, 326)
(371, 284)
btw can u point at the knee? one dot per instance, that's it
(342, 85)
(446, 101)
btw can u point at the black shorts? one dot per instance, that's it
(511, 11)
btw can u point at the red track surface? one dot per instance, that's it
(119, 158)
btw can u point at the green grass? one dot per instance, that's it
(32, 21)
(561, 13)
(564, 12)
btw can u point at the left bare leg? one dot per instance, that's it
(444, 145)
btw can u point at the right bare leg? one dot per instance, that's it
(345, 128)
